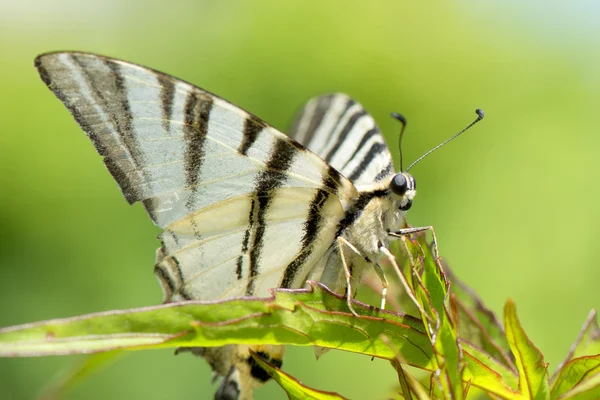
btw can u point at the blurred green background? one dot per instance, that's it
(514, 202)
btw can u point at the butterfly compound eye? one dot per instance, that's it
(399, 184)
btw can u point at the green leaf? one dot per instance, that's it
(294, 389)
(587, 342)
(580, 377)
(575, 373)
(432, 291)
(287, 318)
(409, 386)
(403, 380)
(304, 317)
(477, 323)
(533, 371)
(494, 374)
(486, 372)
(588, 389)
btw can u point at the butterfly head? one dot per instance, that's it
(404, 188)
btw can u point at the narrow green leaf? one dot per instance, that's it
(294, 388)
(575, 373)
(410, 387)
(402, 379)
(408, 384)
(278, 320)
(533, 371)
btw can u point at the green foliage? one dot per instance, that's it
(287, 318)
(455, 339)
(294, 388)
(533, 371)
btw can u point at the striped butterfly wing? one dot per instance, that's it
(243, 207)
(343, 134)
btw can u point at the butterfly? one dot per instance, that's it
(243, 207)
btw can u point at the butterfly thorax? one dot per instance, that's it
(377, 211)
(383, 213)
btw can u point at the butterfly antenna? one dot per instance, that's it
(480, 116)
(402, 120)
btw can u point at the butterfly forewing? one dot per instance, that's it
(341, 132)
(218, 179)
(170, 144)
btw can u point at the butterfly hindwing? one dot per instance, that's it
(226, 250)
(342, 133)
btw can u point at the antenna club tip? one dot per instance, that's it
(480, 113)
(399, 117)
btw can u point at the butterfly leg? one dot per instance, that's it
(403, 233)
(384, 283)
(341, 241)
(407, 287)
(409, 231)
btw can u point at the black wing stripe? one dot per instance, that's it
(168, 272)
(111, 96)
(376, 148)
(167, 98)
(357, 207)
(271, 178)
(354, 212)
(336, 125)
(316, 118)
(344, 134)
(387, 171)
(163, 276)
(195, 129)
(312, 226)
(240, 261)
(252, 127)
(370, 133)
(86, 121)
